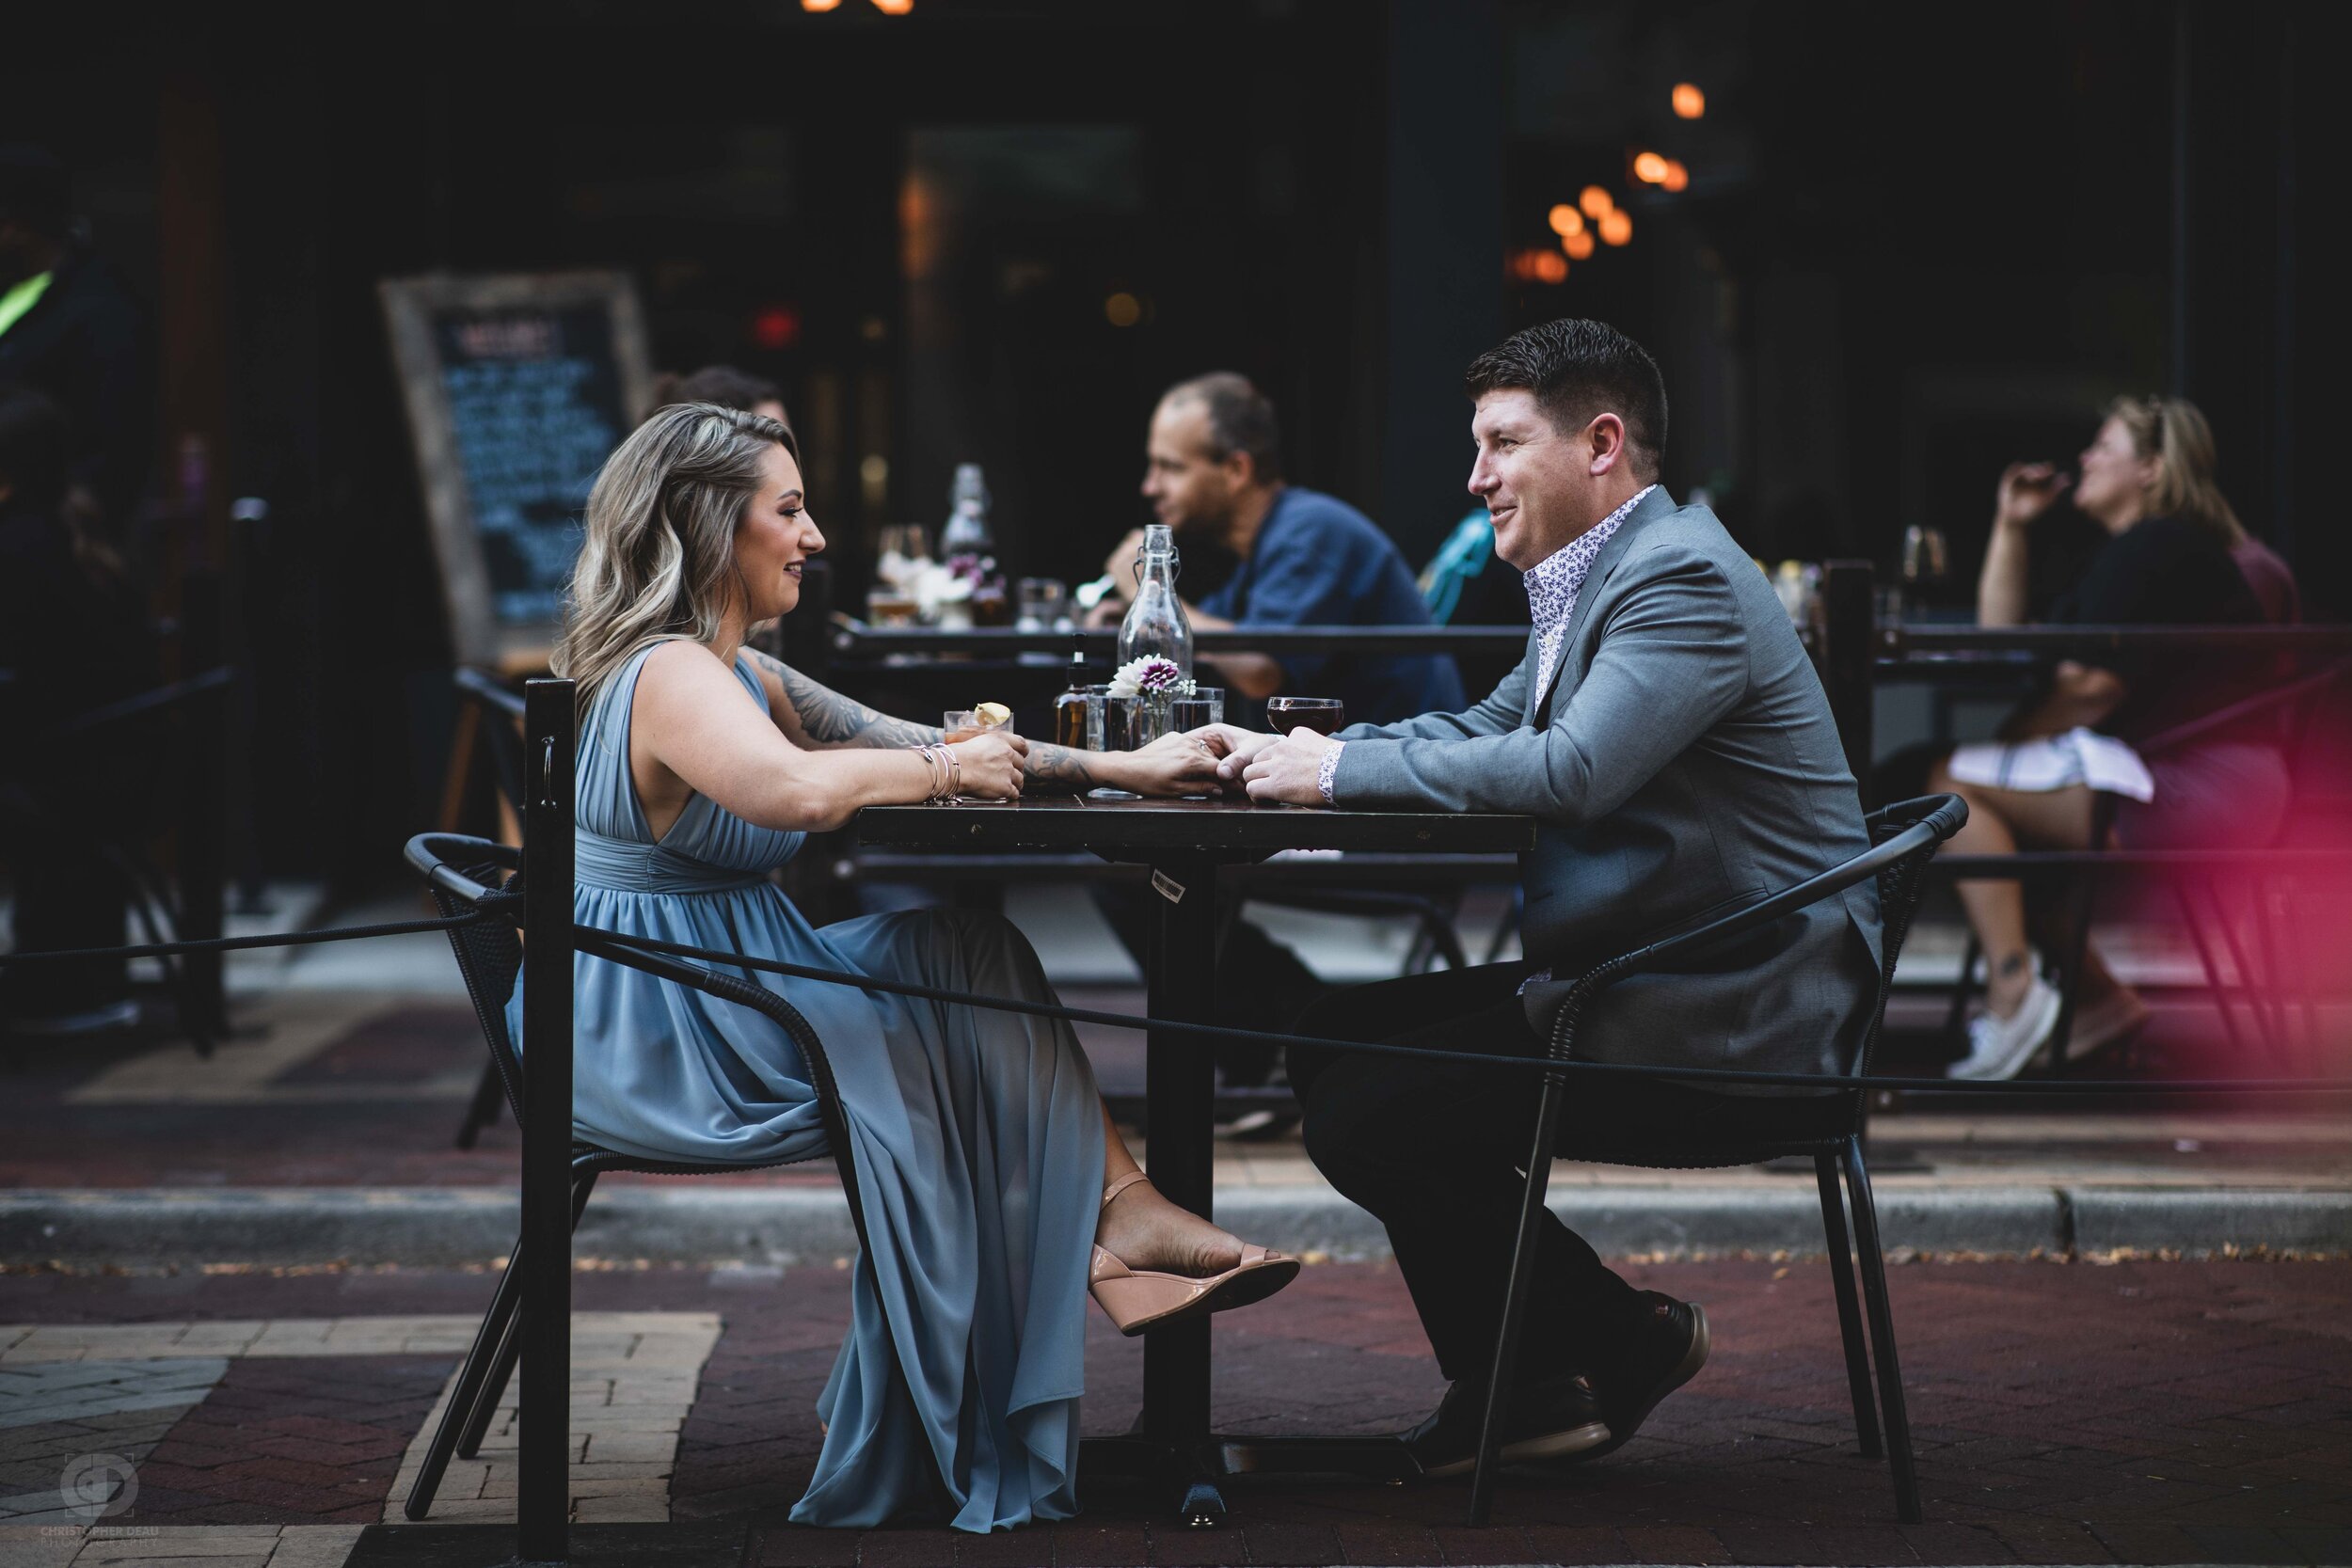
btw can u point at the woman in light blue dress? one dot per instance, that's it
(995, 1190)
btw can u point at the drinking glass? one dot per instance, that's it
(1202, 704)
(1078, 719)
(1322, 715)
(1924, 556)
(890, 607)
(989, 607)
(1044, 604)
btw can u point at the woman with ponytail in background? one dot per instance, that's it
(2146, 480)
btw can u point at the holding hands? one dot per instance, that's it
(1274, 769)
(1173, 765)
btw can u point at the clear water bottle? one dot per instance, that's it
(967, 531)
(1156, 626)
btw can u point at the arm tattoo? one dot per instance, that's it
(1056, 770)
(823, 719)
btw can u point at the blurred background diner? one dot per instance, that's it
(337, 342)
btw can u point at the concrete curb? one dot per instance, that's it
(686, 1223)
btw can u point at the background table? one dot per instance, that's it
(1185, 843)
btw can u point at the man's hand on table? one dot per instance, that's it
(1272, 767)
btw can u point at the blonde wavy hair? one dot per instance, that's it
(658, 560)
(2174, 433)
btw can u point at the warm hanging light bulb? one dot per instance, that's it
(1595, 202)
(820, 5)
(1689, 104)
(1616, 229)
(1565, 220)
(894, 8)
(1579, 246)
(1649, 168)
(1678, 177)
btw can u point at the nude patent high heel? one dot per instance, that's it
(1136, 1299)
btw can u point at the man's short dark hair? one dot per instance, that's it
(1579, 370)
(1241, 419)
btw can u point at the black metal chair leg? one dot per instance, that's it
(1956, 1016)
(1865, 1224)
(2072, 963)
(1446, 939)
(1507, 926)
(1515, 1298)
(482, 1110)
(487, 1340)
(1866, 1416)
(2286, 976)
(2183, 894)
(2258, 1001)
(485, 1407)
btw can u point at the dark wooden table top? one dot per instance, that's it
(1226, 826)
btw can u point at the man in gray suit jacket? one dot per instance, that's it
(1669, 733)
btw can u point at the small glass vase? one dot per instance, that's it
(1122, 718)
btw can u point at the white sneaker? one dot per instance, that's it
(1998, 1048)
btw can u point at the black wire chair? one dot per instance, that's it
(498, 715)
(463, 873)
(150, 898)
(2287, 712)
(1905, 837)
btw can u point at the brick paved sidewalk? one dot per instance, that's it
(2065, 1412)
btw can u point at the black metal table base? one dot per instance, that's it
(1194, 1474)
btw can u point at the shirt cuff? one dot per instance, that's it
(1327, 770)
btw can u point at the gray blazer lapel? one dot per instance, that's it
(1534, 715)
(1656, 504)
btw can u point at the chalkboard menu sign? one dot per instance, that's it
(517, 389)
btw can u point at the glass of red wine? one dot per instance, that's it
(1322, 715)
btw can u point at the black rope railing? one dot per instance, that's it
(488, 910)
(590, 939)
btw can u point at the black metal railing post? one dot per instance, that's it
(203, 825)
(1848, 658)
(543, 1501)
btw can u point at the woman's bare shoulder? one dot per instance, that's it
(679, 659)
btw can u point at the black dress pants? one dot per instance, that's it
(1437, 1152)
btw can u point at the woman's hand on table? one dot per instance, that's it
(1287, 770)
(990, 763)
(1173, 765)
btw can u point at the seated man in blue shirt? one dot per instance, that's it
(1214, 472)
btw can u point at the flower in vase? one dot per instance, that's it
(1152, 674)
